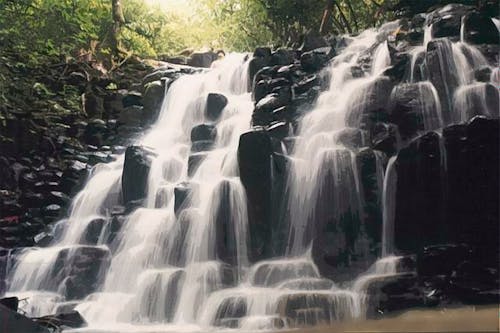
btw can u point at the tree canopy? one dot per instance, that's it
(38, 28)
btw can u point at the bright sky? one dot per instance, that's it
(169, 5)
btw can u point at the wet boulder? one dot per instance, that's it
(393, 293)
(79, 270)
(71, 319)
(182, 192)
(312, 40)
(227, 221)
(95, 132)
(132, 98)
(454, 176)
(203, 132)
(310, 309)
(263, 113)
(339, 248)
(11, 303)
(256, 64)
(446, 21)
(385, 137)
(369, 104)
(283, 57)
(202, 59)
(93, 105)
(473, 283)
(483, 74)
(230, 311)
(415, 107)
(419, 194)
(479, 29)
(135, 174)
(132, 116)
(315, 60)
(215, 104)
(305, 84)
(194, 161)
(15, 322)
(152, 100)
(254, 161)
(441, 259)
(93, 231)
(370, 165)
(351, 138)
(441, 69)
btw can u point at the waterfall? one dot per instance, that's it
(174, 265)
(319, 153)
(388, 208)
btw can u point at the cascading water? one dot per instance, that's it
(184, 267)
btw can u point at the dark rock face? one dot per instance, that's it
(135, 174)
(371, 165)
(152, 100)
(263, 169)
(446, 21)
(393, 293)
(308, 309)
(480, 29)
(202, 59)
(315, 60)
(78, 270)
(230, 311)
(16, 322)
(341, 247)
(370, 105)
(442, 73)
(255, 173)
(71, 319)
(225, 225)
(459, 205)
(215, 104)
(413, 108)
(182, 192)
(203, 132)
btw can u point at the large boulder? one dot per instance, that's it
(478, 28)
(152, 100)
(368, 104)
(389, 293)
(446, 21)
(254, 160)
(228, 224)
(229, 311)
(442, 73)
(215, 104)
(16, 322)
(202, 59)
(203, 132)
(371, 165)
(135, 174)
(71, 319)
(415, 107)
(335, 222)
(77, 270)
(315, 60)
(313, 308)
(447, 189)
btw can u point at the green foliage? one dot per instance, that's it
(34, 29)
(52, 27)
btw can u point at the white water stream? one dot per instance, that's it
(164, 271)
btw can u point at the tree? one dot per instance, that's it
(118, 21)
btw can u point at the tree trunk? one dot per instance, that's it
(118, 22)
(327, 17)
